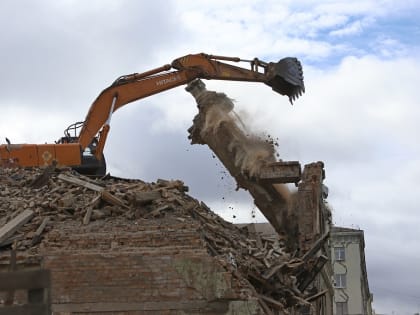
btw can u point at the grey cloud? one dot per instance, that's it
(55, 54)
(135, 150)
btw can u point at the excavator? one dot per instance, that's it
(83, 143)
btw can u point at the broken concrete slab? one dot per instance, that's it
(243, 155)
(280, 172)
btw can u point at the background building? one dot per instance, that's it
(352, 295)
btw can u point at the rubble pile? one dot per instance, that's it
(35, 202)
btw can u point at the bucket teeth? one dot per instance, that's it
(286, 78)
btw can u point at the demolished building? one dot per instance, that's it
(116, 246)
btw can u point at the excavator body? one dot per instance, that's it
(29, 155)
(83, 150)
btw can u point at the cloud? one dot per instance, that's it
(389, 47)
(353, 28)
(61, 51)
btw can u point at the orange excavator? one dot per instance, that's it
(83, 142)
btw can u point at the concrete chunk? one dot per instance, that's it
(280, 172)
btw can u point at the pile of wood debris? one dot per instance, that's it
(34, 201)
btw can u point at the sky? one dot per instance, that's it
(359, 114)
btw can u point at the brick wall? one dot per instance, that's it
(309, 206)
(145, 269)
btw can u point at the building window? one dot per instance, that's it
(340, 280)
(341, 308)
(339, 253)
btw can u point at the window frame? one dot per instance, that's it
(340, 280)
(343, 309)
(340, 253)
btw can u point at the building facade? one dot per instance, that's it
(352, 295)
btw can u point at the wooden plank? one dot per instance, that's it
(80, 182)
(10, 296)
(316, 296)
(265, 307)
(270, 272)
(33, 309)
(25, 279)
(140, 198)
(94, 203)
(11, 240)
(306, 278)
(316, 246)
(43, 179)
(38, 233)
(273, 302)
(13, 225)
(88, 215)
(9, 217)
(107, 196)
(156, 212)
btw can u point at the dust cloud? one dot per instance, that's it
(249, 150)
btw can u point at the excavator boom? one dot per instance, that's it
(85, 150)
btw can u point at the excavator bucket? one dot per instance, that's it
(286, 77)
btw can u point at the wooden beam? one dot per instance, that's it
(88, 215)
(93, 204)
(114, 200)
(40, 229)
(28, 309)
(10, 296)
(43, 179)
(307, 277)
(273, 302)
(265, 307)
(316, 296)
(316, 246)
(13, 225)
(105, 195)
(270, 272)
(11, 240)
(140, 198)
(80, 182)
(25, 279)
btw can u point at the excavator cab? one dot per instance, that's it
(90, 165)
(286, 77)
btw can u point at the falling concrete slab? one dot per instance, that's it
(248, 158)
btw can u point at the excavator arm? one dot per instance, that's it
(285, 77)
